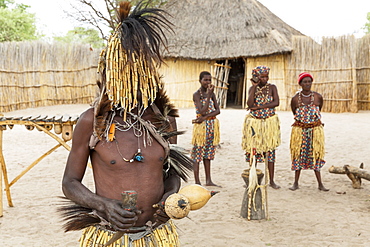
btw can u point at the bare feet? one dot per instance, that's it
(322, 188)
(274, 186)
(212, 184)
(294, 187)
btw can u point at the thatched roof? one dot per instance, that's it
(220, 29)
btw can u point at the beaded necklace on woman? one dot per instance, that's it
(260, 92)
(300, 95)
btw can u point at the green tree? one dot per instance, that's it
(5, 3)
(16, 24)
(82, 35)
(367, 25)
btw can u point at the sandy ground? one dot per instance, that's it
(306, 217)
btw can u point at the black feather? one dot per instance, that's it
(76, 217)
(142, 33)
(180, 164)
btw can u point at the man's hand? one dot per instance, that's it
(160, 215)
(121, 219)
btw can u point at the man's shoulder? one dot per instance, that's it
(87, 115)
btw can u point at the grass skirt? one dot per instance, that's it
(164, 236)
(318, 142)
(200, 132)
(266, 134)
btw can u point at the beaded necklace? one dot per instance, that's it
(201, 93)
(300, 95)
(132, 122)
(259, 91)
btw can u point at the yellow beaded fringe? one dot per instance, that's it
(163, 236)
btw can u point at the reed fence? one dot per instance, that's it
(34, 74)
(220, 74)
(340, 67)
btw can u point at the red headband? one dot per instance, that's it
(303, 75)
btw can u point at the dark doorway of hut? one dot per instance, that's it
(229, 75)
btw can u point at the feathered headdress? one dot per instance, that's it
(128, 66)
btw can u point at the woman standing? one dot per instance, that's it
(206, 134)
(261, 130)
(307, 137)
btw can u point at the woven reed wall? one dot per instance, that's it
(34, 74)
(363, 72)
(181, 78)
(340, 67)
(276, 63)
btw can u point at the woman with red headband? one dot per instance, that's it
(307, 136)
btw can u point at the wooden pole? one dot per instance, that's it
(1, 177)
(63, 143)
(267, 172)
(33, 164)
(354, 107)
(244, 94)
(4, 171)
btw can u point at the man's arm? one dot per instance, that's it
(171, 185)
(74, 172)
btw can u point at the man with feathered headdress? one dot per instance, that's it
(126, 136)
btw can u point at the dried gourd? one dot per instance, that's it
(177, 206)
(67, 131)
(198, 195)
(57, 128)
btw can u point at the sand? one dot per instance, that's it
(305, 217)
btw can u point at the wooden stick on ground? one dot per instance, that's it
(354, 174)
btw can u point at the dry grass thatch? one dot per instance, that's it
(36, 74)
(224, 29)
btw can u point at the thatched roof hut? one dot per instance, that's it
(239, 33)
